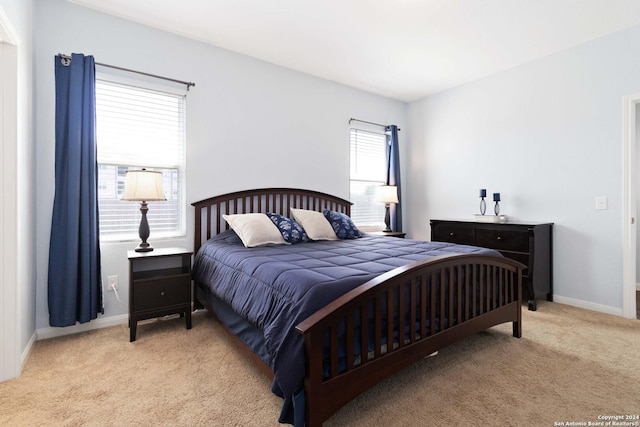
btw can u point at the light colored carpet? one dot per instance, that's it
(570, 365)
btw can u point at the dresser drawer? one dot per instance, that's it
(503, 239)
(158, 293)
(454, 233)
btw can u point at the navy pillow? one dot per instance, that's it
(291, 231)
(342, 225)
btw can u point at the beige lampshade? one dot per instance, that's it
(143, 185)
(387, 194)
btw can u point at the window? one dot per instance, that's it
(368, 165)
(139, 127)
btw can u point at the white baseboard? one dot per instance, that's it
(589, 305)
(27, 351)
(106, 322)
(638, 286)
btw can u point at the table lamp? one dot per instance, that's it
(144, 186)
(387, 194)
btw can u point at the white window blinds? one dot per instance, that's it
(368, 167)
(139, 127)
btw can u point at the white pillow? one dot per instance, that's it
(315, 224)
(254, 229)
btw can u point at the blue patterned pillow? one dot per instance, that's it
(291, 231)
(342, 225)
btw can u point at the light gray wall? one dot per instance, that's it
(548, 136)
(250, 124)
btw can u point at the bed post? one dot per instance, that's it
(197, 236)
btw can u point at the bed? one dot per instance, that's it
(353, 311)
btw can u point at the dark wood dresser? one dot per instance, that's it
(527, 242)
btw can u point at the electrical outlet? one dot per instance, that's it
(112, 283)
(602, 203)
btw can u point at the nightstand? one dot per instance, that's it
(399, 234)
(159, 285)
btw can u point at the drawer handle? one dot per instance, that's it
(499, 238)
(162, 293)
(452, 233)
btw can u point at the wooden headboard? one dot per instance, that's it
(208, 213)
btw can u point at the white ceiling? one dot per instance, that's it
(402, 49)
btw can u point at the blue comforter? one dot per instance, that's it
(276, 287)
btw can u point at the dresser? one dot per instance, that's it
(526, 242)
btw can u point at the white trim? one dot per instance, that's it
(588, 305)
(27, 351)
(629, 208)
(638, 286)
(10, 319)
(106, 322)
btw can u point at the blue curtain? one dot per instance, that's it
(75, 291)
(393, 176)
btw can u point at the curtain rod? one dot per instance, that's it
(371, 123)
(188, 84)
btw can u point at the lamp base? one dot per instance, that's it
(387, 220)
(142, 248)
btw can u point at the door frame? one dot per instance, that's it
(629, 211)
(10, 357)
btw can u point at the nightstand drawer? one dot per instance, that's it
(508, 240)
(158, 293)
(454, 233)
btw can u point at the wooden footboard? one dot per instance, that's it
(432, 303)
